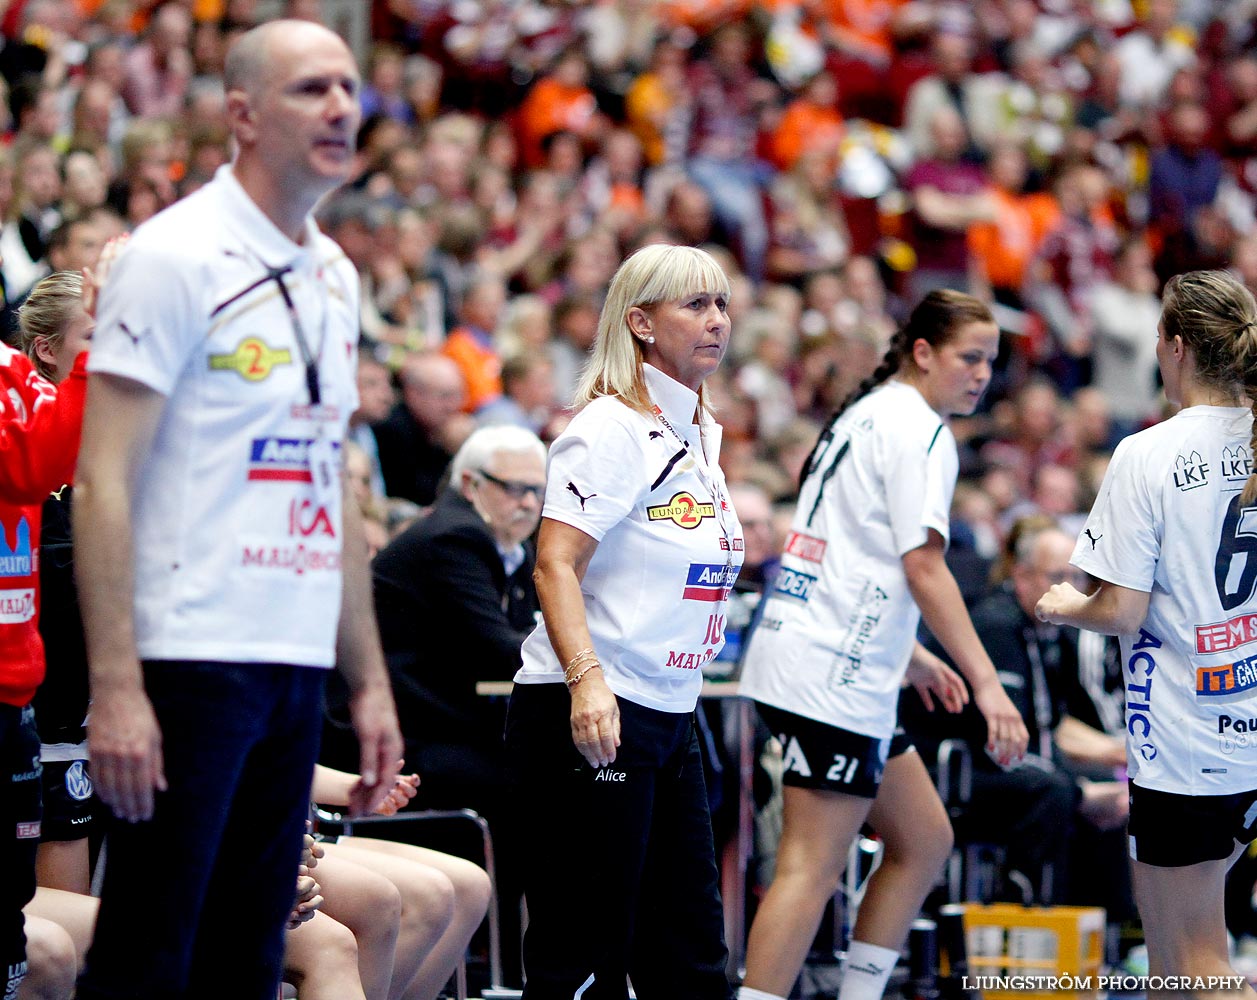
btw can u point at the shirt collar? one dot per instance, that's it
(265, 239)
(512, 558)
(678, 402)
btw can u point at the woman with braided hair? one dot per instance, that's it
(1172, 539)
(862, 563)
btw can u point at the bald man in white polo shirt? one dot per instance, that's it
(220, 569)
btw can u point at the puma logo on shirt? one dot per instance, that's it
(571, 488)
(1092, 538)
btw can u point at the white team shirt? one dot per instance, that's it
(840, 623)
(669, 544)
(1167, 522)
(237, 536)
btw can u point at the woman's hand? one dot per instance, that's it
(595, 720)
(1057, 603)
(935, 679)
(1006, 732)
(402, 792)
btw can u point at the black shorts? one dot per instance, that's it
(1216, 822)
(69, 800)
(818, 755)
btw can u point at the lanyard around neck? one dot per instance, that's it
(719, 504)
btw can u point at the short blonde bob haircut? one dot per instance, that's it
(656, 273)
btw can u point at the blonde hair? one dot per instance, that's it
(1217, 318)
(656, 273)
(45, 314)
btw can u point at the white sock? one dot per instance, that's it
(868, 968)
(746, 993)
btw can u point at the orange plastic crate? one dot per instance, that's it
(1014, 943)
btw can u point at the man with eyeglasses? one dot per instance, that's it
(454, 596)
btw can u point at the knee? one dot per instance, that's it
(472, 890)
(428, 899)
(927, 847)
(52, 963)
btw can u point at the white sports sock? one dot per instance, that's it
(746, 993)
(868, 968)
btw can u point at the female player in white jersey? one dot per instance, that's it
(863, 562)
(1173, 540)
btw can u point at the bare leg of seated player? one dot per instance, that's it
(370, 906)
(444, 900)
(73, 912)
(64, 864)
(321, 960)
(51, 962)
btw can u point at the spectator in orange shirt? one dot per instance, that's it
(470, 344)
(1003, 248)
(560, 102)
(655, 104)
(810, 122)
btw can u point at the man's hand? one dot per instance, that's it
(125, 744)
(380, 746)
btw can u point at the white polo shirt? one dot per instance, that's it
(656, 592)
(839, 624)
(237, 549)
(1167, 522)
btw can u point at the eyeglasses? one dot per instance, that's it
(515, 490)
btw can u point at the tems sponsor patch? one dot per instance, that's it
(682, 510)
(1218, 637)
(709, 582)
(253, 359)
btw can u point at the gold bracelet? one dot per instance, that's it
(583, 657)
(577, 679)
(587, 651)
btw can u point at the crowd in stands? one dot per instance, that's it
(1058, 159)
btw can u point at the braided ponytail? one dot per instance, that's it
(934, 320)
(1246, 367)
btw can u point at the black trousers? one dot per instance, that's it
(620, 875)
(195, 899)
(19, 835)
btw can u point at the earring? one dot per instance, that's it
(648, 340)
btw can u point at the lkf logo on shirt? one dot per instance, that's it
(682, 510)
(18, 560)
(709, 582)
(1237, 466)
(253, 359)
(1190, 472)
(283, 459)
(1227, 679)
